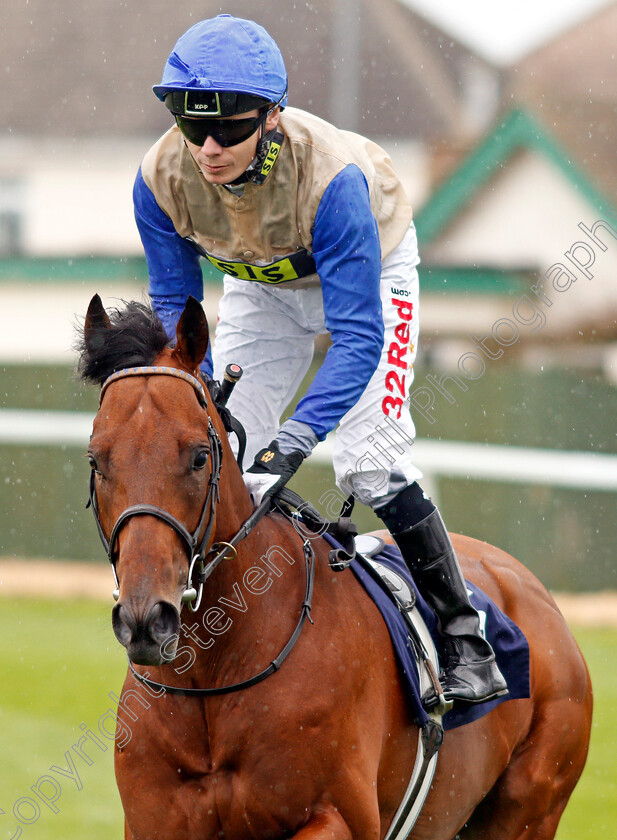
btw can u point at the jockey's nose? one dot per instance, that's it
(210, 147)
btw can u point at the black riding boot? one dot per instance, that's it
(470, 671)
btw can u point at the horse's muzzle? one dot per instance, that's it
(151, 639)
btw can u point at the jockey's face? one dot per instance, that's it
(223, 164)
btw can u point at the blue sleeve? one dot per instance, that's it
(173, 264)
(347, 254)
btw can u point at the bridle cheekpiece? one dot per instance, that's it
(198, 544)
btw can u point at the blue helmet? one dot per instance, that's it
(221, 67)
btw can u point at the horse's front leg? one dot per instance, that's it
(327, 823)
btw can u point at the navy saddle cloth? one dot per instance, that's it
(509, 643)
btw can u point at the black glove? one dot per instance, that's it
(270, 471)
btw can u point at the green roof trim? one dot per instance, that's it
(84, 269)
(469, 280)
(76, 269)
(516, 130)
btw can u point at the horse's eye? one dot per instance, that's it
(200, 460)
(92, 462)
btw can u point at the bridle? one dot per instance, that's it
(199, 548)
(197, 543)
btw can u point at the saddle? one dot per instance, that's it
(368, 548)
(413, 625)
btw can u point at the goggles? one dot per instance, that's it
(226, 133)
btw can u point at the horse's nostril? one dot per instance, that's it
(151, 639)
(122, 629)
(163, 621)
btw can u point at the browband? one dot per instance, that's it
(153, 371)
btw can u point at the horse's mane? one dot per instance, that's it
(136, 336)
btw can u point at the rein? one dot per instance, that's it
(199, 548)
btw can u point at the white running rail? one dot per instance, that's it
(525, 465)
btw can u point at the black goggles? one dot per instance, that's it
(229, 132)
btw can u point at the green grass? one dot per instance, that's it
(60, 660)
(592, 811)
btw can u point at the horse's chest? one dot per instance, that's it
(219, 804)
(203, 786)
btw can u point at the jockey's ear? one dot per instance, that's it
(96, 319)
(192, 335)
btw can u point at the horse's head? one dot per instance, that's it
(153, 452)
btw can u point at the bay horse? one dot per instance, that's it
(321, 749)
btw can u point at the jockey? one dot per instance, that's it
(313, 232)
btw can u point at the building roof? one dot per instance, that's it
(504, 33)
(570, 86)
(80, 69)
(515, 132)
(517, 215)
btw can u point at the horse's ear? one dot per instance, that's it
(96, 319)
(192, 334)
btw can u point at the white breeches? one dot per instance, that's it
(270, 332)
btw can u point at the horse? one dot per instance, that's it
(321, 747)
